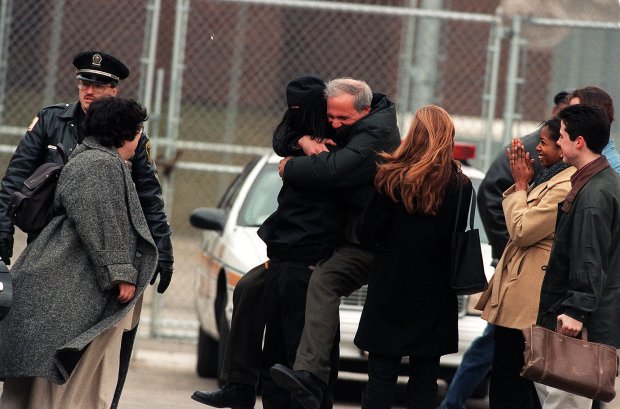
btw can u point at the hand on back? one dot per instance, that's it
(312, 146)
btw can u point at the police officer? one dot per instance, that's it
(98, 75)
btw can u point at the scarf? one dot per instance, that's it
(581, 177)
(548, 173)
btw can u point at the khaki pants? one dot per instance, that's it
(615, 403)
(552, 398)
(91, 384)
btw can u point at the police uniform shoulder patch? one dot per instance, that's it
(147, 148)
(33, 123)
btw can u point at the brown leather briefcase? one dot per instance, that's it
(572, 364)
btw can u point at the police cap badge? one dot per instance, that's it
(97, 66)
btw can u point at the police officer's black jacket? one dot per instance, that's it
(346, 174)
(61, 123)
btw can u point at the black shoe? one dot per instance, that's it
(231, 395)
(304, 387)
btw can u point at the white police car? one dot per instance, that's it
(231, 247)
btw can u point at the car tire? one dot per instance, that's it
(207, 360)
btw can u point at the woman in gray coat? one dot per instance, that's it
(78, 286)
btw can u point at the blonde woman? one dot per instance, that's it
(411, 310)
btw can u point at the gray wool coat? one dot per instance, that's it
(65, 281)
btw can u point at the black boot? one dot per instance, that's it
(231, 395)
(305, 388)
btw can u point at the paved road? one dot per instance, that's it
(162, 376)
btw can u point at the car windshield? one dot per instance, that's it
(261, 200)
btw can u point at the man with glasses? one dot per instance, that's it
(98, 75)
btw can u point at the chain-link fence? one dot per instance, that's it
(573, 54)
(213, 74)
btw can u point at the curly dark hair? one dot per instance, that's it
(112, 120)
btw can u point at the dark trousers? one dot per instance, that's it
(345, 271)
(242, 357)
(507, 388)
(383, 374)
(285, 304)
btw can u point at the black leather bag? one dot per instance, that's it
(468, 275)
(6, 290)
(32, 207)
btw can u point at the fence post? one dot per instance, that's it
(234, 86)
(149, 54)
(53, 52)
(489, 97)
(512, 79)
(426, 57)
(172, 134)
(405, 68)
(5, 29)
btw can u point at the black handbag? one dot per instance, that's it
(6, 290)
(32, 206)
(468, 275)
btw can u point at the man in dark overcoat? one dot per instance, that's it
(581, 288)
(98, 75)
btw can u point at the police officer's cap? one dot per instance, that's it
(304, 92)
(97, 66)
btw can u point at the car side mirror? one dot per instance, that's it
(208, 218)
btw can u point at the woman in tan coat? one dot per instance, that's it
(511, 301)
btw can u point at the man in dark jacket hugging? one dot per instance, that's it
(364, 124)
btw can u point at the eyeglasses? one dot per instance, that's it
(98, 88)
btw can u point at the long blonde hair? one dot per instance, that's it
(419, 170)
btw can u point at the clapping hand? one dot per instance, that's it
(521, 166)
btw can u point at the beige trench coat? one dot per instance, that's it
(514, 290)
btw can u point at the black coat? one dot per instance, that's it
(306, 226)
(61, 124)
(312, 204)
(350, 171)
(583, 275)
(410, 308)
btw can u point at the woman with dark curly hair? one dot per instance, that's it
(78, 285)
